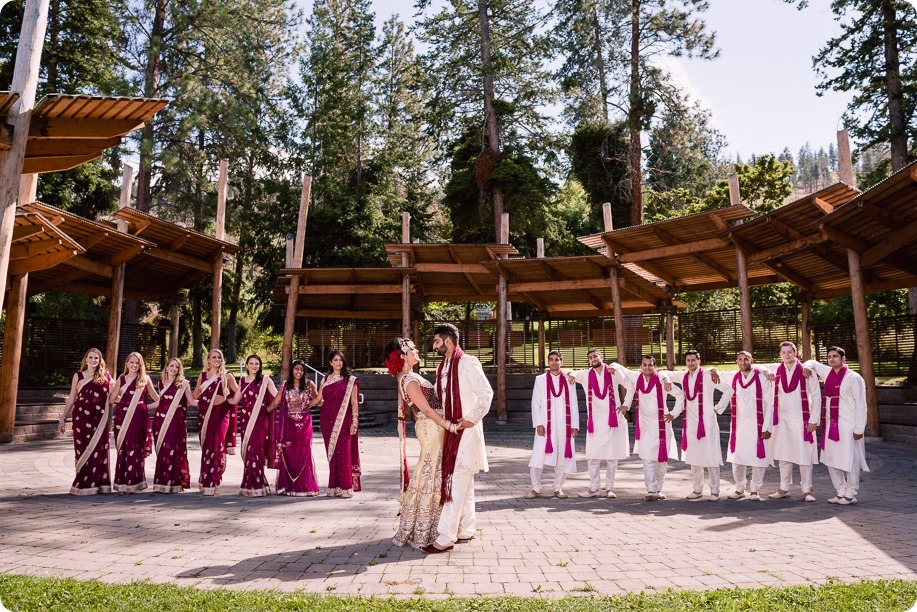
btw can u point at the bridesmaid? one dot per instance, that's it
(256, 392)
(213, 388)
(132, 425)
(170, 432)
(89, 400)
(339, 399)
(293, 433)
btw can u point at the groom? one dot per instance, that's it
(466, 395)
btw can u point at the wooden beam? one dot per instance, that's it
(822, 206)
(126, 254)
(882, 216)
(349, 289)
(81, 127)
(633, 287)
(90, 241)
(700, 257)
(718, 222)
(181, 259)
(40, 262)
(905, 236)
(453, 268)
(467, 275)
(91, 266)
(72, 146)
(687, 248)
(56, 163)
(782, 250)
(791, 275)
(30, 249)
(289, 321)
(844, 239)
(137, 228)
(570, 285)
(613, 247)
(531, 298)
(864, 344)
(178, 242)
(382, 315)
(844, 158)
(16, 302)
(21, 232)
(783, 229)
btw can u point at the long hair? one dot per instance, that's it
(260, 371)
(179, 378)
(222, 371)
(142, 377)
(99, 375)
(290, 380)
(345, 368)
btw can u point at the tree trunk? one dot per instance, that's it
(234, 310)
(197, 340)
(600, 61)
(150, 87)
(491, 124)
(635, 118)
(53, 44)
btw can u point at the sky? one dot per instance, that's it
(761, 89)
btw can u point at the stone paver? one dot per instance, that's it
(546, 547)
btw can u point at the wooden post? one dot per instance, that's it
(735, 199)
(28, 189)
(217, 309)
(174, 314)
(289, 251)
(25, 82)
(615, 282)
(864, 344)
(117, 281)
(541, 344)
(289, 321)
(12, 351)
(500, 349)
(670, 335)
(805, 308)
(539, 248)
(845, 158)
(405, 279)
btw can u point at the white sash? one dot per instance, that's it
(179, 393)
(84, 382)
(97, 434)
(339, 421)
(256, 411)
(206, 385)
(131, 409)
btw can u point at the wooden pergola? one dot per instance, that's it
(38, 244)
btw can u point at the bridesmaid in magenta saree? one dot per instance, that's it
(293, 434)
(170, 433)
(133, 440)
(256, 392)
(213, 387)
(88, 398)
(339, 398)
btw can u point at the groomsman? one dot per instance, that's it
(555, 417)
(700, 438)
(843, 448)
(654, 440)
(606, 428)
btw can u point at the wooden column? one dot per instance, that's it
(864, 344)
(539, 248)
(116, 304)
(217, 309)
(289, 251)
(539, 253)
(805, 309)
(615, 282)
(174, 314)
(670, 336)
(289, 321)
(28, 189)
(25, 82)
(500, 349)
(735, 199)
(12, 351)
(405, 279)
(845, 159)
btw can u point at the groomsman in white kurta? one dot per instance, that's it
(654, 438)
(606, 428)
(555, 417)
(700, 440)
(843, 424)
(752, 421)
(797, 412)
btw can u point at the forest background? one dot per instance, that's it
(457, 113)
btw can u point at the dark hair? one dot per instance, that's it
(260, 371)
(290, 381)
(788, 343)
(556, 352)
(393, 345)
(694, 352)
(447, 330)
(345, 369)
(837, 350)
(593, 350)
(650, 357)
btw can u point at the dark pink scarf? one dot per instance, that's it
(653, 384)
(796, 382)
(549, 446)
(699, 396)
(593, 390)
(833, 391)
(759, 409)
(452, 405)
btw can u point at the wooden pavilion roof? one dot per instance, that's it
(688, 253)
(787, 242)
(351, 293)
(38, 244)
(66, 131)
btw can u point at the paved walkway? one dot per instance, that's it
(547, 546)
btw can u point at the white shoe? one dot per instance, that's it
(714, 497)
(611, 494)
(835, 500)
(694, 496)
(589, 493)
(660, 495)
(808, 497)
(651, 496)
(779, 495)
(847, 502)
(736, 495)
(755, 497)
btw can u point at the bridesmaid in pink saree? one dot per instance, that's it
(88, 398)
(339, 398)
(133, 441)
(256, 392)
(213, 387)
(169, 431)
(293, 434)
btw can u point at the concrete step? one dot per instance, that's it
(30, 431)
(898, 414)
(900, 433)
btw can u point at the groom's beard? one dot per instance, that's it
(441, 350)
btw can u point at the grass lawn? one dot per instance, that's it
(20, 593)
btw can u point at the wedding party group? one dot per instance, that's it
(275, 426)
(775, 413)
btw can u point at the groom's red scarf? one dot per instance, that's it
(452, 404)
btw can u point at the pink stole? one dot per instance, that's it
(833, 391)
(549, 445)
(653, 384)
(699, 396)
(788, 387)
(759, 409)
(609, 391)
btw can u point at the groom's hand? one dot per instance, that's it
(463, 424)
